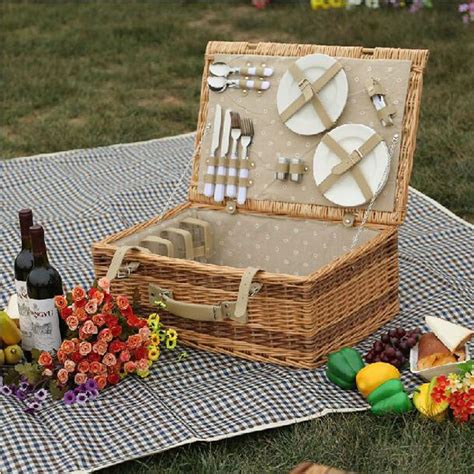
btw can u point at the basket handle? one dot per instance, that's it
(234, 310)
(114, 268)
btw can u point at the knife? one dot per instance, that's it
(209, 187)
(222, 170)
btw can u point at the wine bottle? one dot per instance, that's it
(23, 266)
(43, 284)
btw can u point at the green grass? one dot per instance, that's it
(75, 76)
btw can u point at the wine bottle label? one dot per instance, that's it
(24, 312)
(45, 324)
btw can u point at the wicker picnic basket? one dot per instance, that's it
(292, 320)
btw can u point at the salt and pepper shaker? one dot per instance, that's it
(283, 166)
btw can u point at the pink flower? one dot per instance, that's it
(91, 307)
(63, 376)
(124, 356)
(100, 347)
(109, 359)
(144, 333)
(69, 365)
(80, 378)
(104, 283)
(130, 366)
(122, 302)
(47, 373)
(85, 348)
(67, 346)
(83, 366)
(105, 335)
(99, 296)
(134, 341)
(142, 364)
(89, 328)
(72, 322)
(45, 359)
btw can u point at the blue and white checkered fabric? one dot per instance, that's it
(84, 195)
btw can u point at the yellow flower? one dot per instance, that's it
(153, 353)
(153, 317)
(172, 334)
(454, 381)
(155, 339)
(154, 325)
(143, 373)
(170, 343)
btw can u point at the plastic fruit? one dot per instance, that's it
(13, 354)
(374, 375)
(343, 366)
(2, 357)
(9, 332)
(396, 403)
(426, 405)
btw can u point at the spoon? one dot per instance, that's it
(223, 70)
(220, 84)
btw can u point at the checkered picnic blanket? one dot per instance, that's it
(80, 197)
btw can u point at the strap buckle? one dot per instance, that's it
(126, 270)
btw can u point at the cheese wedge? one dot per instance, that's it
(451, 335)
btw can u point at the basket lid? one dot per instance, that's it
(377, 63)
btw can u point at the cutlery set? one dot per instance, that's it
(231, 179)
(253, 77)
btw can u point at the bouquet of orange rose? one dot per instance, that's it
(106, 341)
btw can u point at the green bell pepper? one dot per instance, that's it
(343, 366)
(396, 403)
(384, 391)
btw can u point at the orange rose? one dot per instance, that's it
(124, 356)
(60, 302)
(89, 328)
(45, 359)
(105, 335)
(78, 294)
(142, 364)
(85, 348)
(99, 296)
(98, 320)
(80, 314)
(101, 381)
(63, 376)
(134, 341)
(144, 334)
(83, 367)
(96, 367)
(62, 356)
(130, 366)
(79, 379)
(109, 359)
(67, 346)
(122, 302)
(69, 365)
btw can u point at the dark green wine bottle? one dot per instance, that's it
(23, 266)
(43, 284)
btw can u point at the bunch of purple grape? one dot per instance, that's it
(394, 346)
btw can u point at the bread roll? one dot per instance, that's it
(432, 352)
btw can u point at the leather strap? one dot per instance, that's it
(282, 167)
(117, 259)
(153, 243)
(187, 239)
(349, 162)
(234, 310)
(297, 168)
(309, 93)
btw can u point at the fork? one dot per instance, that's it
(246, 140)
(235, 132)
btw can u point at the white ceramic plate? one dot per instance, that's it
(428, 374)
(333, 96)
(374, 166)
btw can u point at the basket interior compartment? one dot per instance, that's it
(276, 244)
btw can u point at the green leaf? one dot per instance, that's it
(11, 377)
(56, 391)
(466, 367)
(31, 371)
